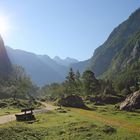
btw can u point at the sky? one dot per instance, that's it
(64, 28)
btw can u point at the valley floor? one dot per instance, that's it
(100, 123)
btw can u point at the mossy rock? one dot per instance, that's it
(109, 129)
(132, 102)
(72, 101)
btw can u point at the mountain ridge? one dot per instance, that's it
(104, 57)
(104, 54)
(41, 68)
(40, 72)
(66, 61)
(5, 64)
(108, 59)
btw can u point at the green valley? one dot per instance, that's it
(53, 98)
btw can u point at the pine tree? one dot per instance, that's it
(78, 75)
(79, 85)
(139, 82)
(70, 83)
(90, 82)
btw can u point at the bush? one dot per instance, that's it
(3, 104)
(109, 129)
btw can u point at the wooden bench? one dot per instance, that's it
(26, 116)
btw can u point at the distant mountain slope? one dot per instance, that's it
(61, 69)
(81, 66)
(115, 53)
(5, 64)
(41, 68)
(66, 62)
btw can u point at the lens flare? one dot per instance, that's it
(4, 26)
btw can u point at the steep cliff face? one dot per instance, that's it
(5, 64)
(122, 48)
(106, 56)
(127, 57)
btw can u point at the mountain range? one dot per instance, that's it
(66, 62)
(110, 60)
(41, 68)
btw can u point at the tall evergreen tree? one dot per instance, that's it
(90, 82)
(70, 83)
(79, 85)
(78, 75)
(139, 82)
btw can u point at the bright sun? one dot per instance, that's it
(4, 26)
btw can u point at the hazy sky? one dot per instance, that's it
(64, 28)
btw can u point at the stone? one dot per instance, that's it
(72, 101)
(5, 64)
(132, 102)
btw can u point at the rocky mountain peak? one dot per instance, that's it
(5, 64)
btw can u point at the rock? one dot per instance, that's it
(111, 99)
(5, 64)
(105, 99)
(72, 101)
(109, 129)
(132, 102)
(99, 103)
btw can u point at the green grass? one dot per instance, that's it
(7, 111)
(10, 106)
(111, 112)
(73, 124)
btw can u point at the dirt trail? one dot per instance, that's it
(9, 118)
(110, 121)
(47, 107)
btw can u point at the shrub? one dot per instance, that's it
(109, 129)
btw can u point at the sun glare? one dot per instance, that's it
(4, 26)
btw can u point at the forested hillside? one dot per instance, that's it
(118, 51)
(108, 54)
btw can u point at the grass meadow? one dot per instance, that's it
(100, 123)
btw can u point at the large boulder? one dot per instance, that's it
(72, 101)
(132, 102)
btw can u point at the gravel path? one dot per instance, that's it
(9, 118)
